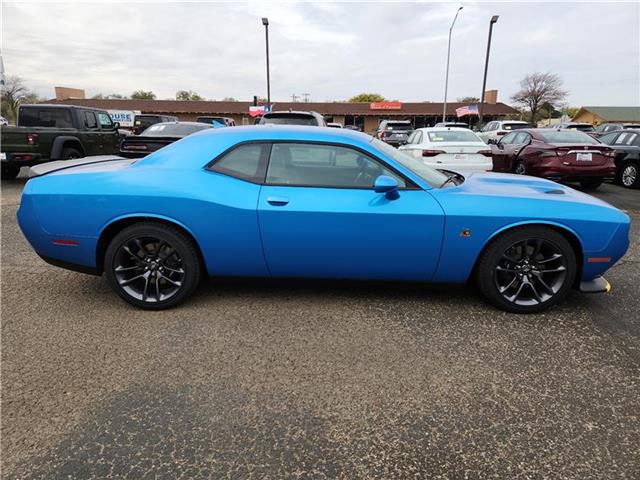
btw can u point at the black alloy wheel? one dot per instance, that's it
(520, 169)
(152, 266)
(527, 270)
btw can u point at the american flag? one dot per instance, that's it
(468, 110)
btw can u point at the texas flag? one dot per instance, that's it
(258, 111)
(468, 110)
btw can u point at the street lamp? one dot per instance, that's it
(265, 22)
(494, 19)
(446, 80)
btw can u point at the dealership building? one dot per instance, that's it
(366, 115)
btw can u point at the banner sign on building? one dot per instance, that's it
(123, 117)
(385, 106)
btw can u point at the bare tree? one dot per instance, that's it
(14, 92)
(537, 89)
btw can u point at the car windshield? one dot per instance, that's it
(567, 136)
(399, 126)
(430, 175)
(582, 128)
(289, 119)
(514, 126)
(172, 129)
(453, 136)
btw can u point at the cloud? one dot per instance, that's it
(331, 50)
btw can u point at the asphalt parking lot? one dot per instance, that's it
(265, 379)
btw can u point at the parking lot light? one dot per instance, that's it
(446, 78)
(493, 20)
(265, 22)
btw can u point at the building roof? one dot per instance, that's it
(242, 108)
(614, 114)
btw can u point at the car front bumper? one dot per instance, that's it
(596, 285)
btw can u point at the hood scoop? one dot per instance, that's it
(555, 191)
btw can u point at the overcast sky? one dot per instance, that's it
(330, 50)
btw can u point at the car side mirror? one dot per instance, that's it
(116, 125)
(388, 186)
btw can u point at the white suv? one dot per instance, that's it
(492, 131)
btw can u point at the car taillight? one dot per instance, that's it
(382, 134)
(432, 153)
(32, 138)
(608, 153)
(486, 153)
(549, 153)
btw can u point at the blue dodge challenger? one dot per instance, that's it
(283, 201)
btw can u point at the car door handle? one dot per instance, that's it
(278, 201)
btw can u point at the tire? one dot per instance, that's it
(630, 175)
(69, 153)
(152, 265)
(9, 172)
(504, 262)
(520, 168)
(591, 184)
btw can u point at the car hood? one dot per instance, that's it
(523, 187)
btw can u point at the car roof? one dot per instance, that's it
(198, 124)
(58, 105)
(445, 128)
(512, 121)
(295, 112)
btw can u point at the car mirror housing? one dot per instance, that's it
(388, 186)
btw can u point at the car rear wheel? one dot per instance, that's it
(70, 153)
(520, 168)
(591, 183)
(10, 172)
(152, 265)
(526, 270)
(630, 175)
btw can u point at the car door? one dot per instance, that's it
(503, 153)
(108, 134)
(319, 216)
(414, 145)
(91, 138)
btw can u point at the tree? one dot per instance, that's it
(468, 100)
(188, 95)
(367, 98)
(143, 95)
(14, 93)
(536, 89)
(110, 96)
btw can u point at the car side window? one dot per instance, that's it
(105, 121)
(90, 120)
(636, 141)
(509, 138)
(521, 138)
(246, 162)
(411, 137)
(418, 138)
(608, 138)
(631, 139)
(622, 139)
(315, 165)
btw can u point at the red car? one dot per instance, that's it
(561, 155)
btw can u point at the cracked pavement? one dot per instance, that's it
(281, 379)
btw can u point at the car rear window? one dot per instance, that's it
(145, 120)
(514, 126)
(173, 130)
(399, 126)
(453, 136)
(582, 128)
(45, 117)
(568, 136)
(289, 119)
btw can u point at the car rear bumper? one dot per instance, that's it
(573, 172)
(21, 159)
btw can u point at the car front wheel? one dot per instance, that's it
(152, 265)
(526, 270)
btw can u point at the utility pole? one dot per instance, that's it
(494, 19)
(446, 79)
(265, 22)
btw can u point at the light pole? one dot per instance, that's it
(494, 19)
(446, 79)
(265, 22)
